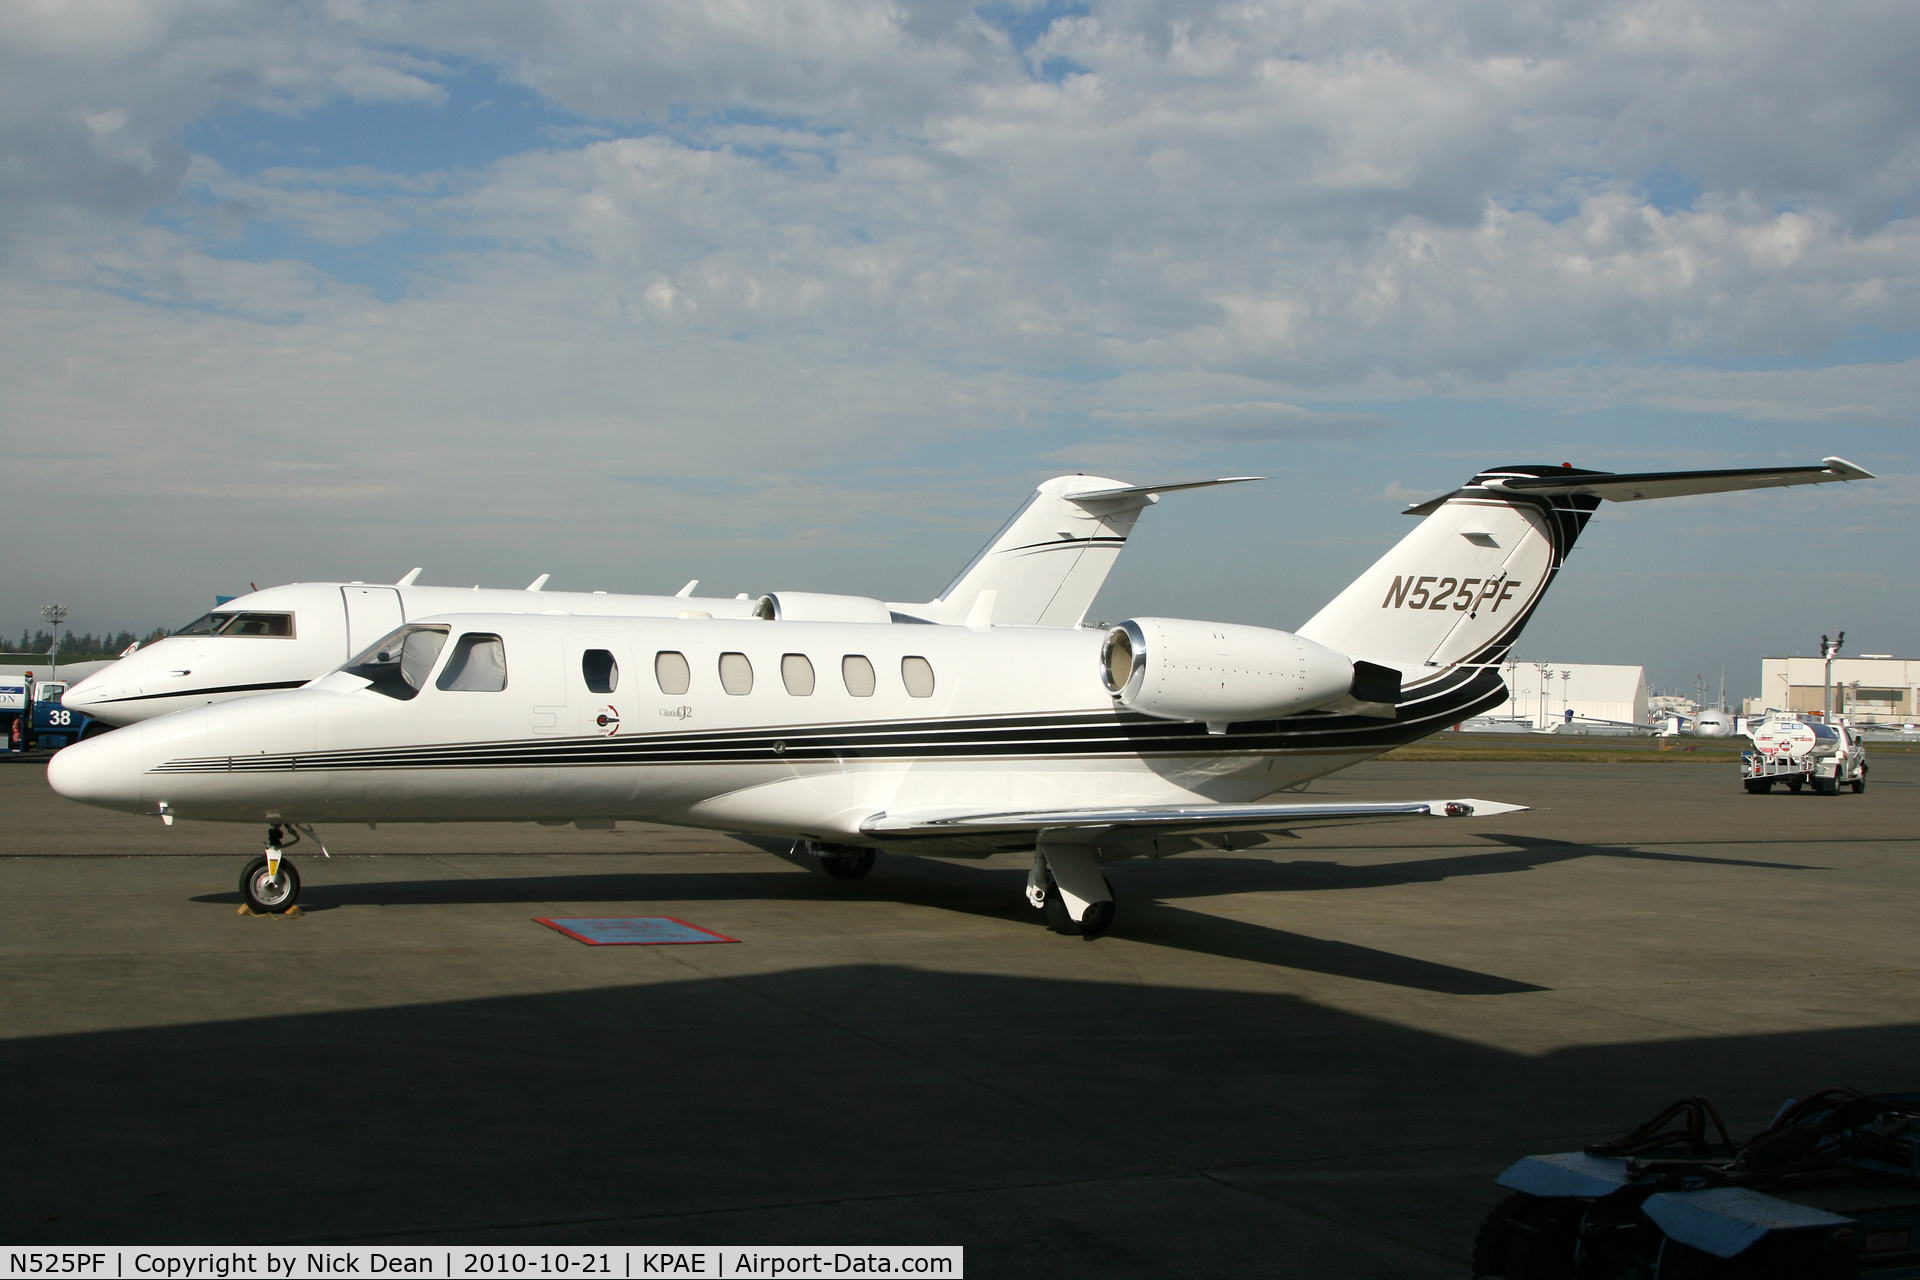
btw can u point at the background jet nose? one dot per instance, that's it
(104, 771)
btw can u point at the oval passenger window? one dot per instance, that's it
(858, 674)
(917, 674)
(736, 674)
(601, 672)
(796, 672)
(670, 669)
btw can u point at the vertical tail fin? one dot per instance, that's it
(1051, 558)
(1457, 590)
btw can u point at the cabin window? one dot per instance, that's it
(917, 674)
(600, 671)
(670, 669)
(736, 674)
(796, 672)
(399, 663)
(857, 672)
(276, 625)
(478, 665)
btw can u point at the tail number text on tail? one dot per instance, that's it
(1413, 593)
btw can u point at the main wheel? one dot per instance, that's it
(1098, 919)
(1794, 785)
(845, 862)
(269, 896)
(1759, 786)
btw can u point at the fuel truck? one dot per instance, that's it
(1798, 753)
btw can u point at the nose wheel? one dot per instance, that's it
(270, 885)
(267, 893)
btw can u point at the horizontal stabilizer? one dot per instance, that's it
(1168, 819)
(1047, 563)
(1132, 490)
(1637, 486)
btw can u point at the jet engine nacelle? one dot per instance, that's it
(812, 606)
(1222, 673)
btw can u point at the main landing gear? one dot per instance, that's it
(841, 861)
(1066, 884)
(270, 885)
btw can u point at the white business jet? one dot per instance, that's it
(1084, 746)
(1043, 568)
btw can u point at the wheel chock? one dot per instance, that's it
(293, 911)
(246, 910)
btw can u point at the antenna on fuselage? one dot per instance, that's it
(408, 580)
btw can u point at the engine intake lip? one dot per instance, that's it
(1125, 650)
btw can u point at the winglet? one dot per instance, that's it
(686, 591)
(539, 583)
(408, 580)
(1844, 470)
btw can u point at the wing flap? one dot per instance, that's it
(1182, 819)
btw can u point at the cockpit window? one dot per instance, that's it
(478, 665)
(399, 664)
(278, 625)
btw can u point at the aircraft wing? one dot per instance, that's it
(1635, 486)
(1173, 819)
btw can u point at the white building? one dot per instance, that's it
(1869, 690)
(1543, 692)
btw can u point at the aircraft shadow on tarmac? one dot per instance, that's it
(1056, 1126)
(1145, 886)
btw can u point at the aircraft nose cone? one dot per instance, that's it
(102, 771)
(81, 697)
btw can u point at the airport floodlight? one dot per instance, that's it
(1829, 650)
(56, 614)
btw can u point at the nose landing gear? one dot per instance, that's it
(270, 885)
(269, 890)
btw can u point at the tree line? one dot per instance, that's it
(84, 645)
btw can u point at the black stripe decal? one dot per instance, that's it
(225, 688)
(1099, 735)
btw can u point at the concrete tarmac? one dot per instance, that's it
(1308, 1059)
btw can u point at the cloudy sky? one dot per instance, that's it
(807, 295)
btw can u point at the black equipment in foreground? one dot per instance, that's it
(1829, 1190)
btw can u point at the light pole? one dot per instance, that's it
(1546, 674)
(56, 614)
(1566, 696)
(1829, 649)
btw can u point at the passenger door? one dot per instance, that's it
(372, 612)
(600, 684)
